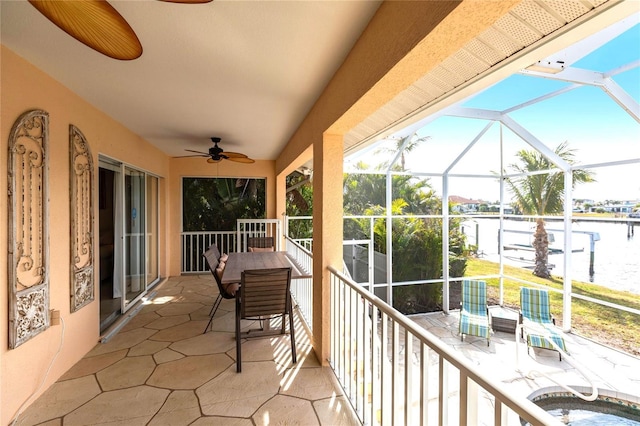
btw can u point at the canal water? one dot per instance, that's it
(616, 257)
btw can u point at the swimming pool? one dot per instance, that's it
(611, 408)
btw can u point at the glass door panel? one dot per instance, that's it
(153, 272)
(134, 241)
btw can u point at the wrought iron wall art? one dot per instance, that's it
(28, 227)
(82, 223)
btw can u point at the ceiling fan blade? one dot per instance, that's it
(187, 1)
(245, 160)
(211, 160)
(95, 23)
(190, 156)
(233, 154)
(206, 154)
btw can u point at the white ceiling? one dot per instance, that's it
(249, 71)
(245, 71)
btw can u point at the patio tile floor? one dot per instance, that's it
(606, 367)
(160, 369)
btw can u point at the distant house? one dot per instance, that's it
(506, 208)
(465, 205)
(626, 207)
(581, 205)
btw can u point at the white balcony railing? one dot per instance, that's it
(248, 228)
(395, 372)
(193, 244)
(302, 288)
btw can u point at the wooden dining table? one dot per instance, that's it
(238, 262)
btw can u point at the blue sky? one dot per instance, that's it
(587, 118)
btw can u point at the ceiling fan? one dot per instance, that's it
(217, 154)
(96, 24)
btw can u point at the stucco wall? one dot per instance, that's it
(24, 88)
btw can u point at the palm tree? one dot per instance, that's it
(411, 145)
(363, 191)
(417, 242)
(541, 194)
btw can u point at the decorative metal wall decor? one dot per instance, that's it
(81, 210)
(28, 227)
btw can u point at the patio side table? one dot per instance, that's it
(503, 319)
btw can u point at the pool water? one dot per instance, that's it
(576, 412)
(580, 417)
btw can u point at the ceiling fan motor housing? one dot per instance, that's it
(216, 152)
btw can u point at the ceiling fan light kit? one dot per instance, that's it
(96, 24)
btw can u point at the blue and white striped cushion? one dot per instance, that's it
(535, 307)
(473, 313)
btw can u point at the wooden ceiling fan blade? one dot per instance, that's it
(191, 156)
(187, 1)
(233, 154)
(211, 160)
(206, 154)
(245, 160)
(94, 23)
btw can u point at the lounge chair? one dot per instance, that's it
(474, 317)
(537, 320)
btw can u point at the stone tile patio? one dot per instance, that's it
(526, 374)
(160, 369)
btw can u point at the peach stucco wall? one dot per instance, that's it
(24, 88)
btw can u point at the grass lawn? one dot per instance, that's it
(603, 324)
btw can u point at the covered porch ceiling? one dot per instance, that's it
(249, 72)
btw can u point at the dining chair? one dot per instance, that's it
(216, 266)
(255, 244)
(264, 294)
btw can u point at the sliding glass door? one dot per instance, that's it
(128, 237)
(134, 235)
(153, 265)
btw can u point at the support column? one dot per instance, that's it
(327, 234)
(281, 202)
(568, 238)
